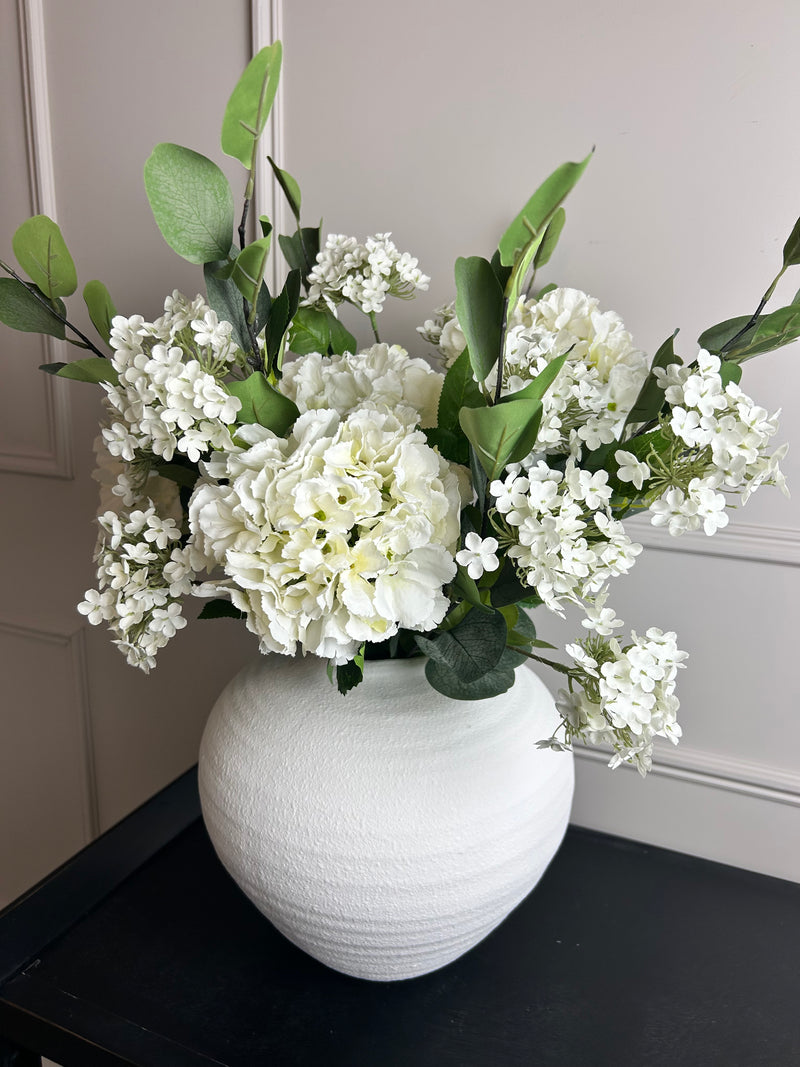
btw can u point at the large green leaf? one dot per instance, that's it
(502, 434)
(249, 269)
(291, 189)
(191, 202)
(471, 648)
(491, 684)
(263, 404)
(249, 105)
(715, 338)
(43, 255)
(459, 390)
(281, 314)
(479, 307)
(550, 238)
(791, 250)
(341, 339)
(651, 396)
(226, 300)
(350, 674)
(95, 369)
(769, 332)
(100, 307)
(301, 249)
(538, 210)
(21, 310)
(310, 332)
(536, 389)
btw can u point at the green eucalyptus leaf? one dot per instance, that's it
(467, 589)
(545, 290)
(263, 309)
(310, 332)
(226, 300)
(249, 269)
(263, 404)
(220, 609)
(283, 310)
(536, 389)
(249, 105)
(650, 400)
(94, 370)
(291, 190)
(491, 684)
(191, 202)
(539, 209)
(350, 674)
(459, 390)
(715, 338)
(502, 434)
(729, 372)
(500, 272)
(452, 444)
(341, 339)
(471, 648)
(300, 250)
(100, 307)
(479, 307)
(43, 255)
(550, 238)
(791, 250)
(771, 331)
(21, 310)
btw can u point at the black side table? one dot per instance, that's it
(140, 950)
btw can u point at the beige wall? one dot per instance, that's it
(434, 120)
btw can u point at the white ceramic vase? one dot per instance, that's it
(388, 831)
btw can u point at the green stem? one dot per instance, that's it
(56, 315)
(541, 659)
(255, 361)
(374, 323)
(754, 317)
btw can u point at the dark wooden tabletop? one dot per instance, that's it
(142, 951)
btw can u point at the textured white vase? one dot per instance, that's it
(387, 831)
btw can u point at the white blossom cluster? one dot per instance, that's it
(382, 376)
(627, 696)
(143, 574)
(564, 542)
(598, 385)
(340, 534)
(364, 274)
(444, 332)
(133, 485)
(170, 394)
(720, 445)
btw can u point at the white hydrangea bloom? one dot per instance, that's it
(565, 542)
(363, 274)
(143, 574)
(340, 534)
(170, 396)
(381, 376)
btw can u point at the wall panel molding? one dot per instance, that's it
(739, 540)
(266, 20)
(715, 771)
(73, 643)
(55, 461)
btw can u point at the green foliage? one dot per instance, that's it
(220, 609)
(350, 674)
(507, 588)
(650, 400)
(491, 684)
(459, 390)
(467, 589)
(100, 307)
(729, 372)
(300, 250)
(224, 298)
(42, 252)
(291, 189)
(502, 434)
(21, 310)
(191, 202)
(263, 404)
(479, 306)
(470, 649)
(184, 476)
(94, 370)
(283, 310)
(249, 269)
(550, 238)
(539, 209)
(249, 105)
(310, 331)
(341, 338)
(791, 250)
(536, 389)
(767, 332)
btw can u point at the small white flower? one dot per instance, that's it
(478, 555)
(631, 469)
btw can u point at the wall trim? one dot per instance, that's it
(728, 773)
(739, 540)
(56, 460)
(266, 22)
(75, 644)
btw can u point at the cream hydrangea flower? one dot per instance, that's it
(340, 534)
(381, 376)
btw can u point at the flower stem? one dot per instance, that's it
(255, 361)
(374, 323)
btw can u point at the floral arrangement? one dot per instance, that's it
(355, 504)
